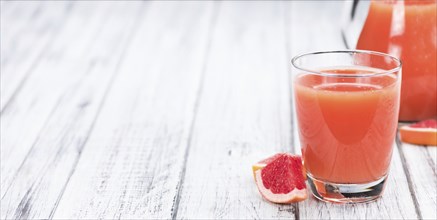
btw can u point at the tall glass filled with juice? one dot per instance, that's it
(347, 105)
(407, 29)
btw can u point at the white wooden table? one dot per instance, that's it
(150, 110)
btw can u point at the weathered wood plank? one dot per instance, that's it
(26, 33)
(16, 15)
(37, 100)
(421, 167)
(140, 134)
(45, 127)
(243, 116)
(317, 27)
(34, 106)
(432, 151)
(131, 164)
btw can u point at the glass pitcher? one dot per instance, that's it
(406, 29)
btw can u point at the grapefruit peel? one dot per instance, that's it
(421, 133)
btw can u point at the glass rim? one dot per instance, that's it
(369, 52)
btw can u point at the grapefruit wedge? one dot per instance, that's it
(421, 133)
(279, 178)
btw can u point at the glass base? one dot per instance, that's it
(346, 193)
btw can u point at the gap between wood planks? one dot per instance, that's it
(288, 35)
(140, 126)
(37, 59)
(243, 112)
(24, 206)
(27, 74)
(180, 186)
(111, 81)
(408, 176)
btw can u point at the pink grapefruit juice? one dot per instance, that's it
(347, 125)
(407, 29)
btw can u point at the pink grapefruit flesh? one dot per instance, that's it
(421, 133)
(281, 179)
(261, 164)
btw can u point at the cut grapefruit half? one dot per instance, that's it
(279, 178)
(421, 133)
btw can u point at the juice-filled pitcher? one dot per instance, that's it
(406, 29)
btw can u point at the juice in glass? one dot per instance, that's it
(408, 30)
(347, 115)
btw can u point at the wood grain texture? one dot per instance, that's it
(28, 29)
(420, 165)
(432, 151)
(61, 99)
(323, 32)
(44, 90)
(157, 110)
(243, 115)
(131, 165)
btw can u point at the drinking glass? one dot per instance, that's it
(347, 105)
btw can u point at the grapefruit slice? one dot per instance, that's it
(279, 178)
(421, 133)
